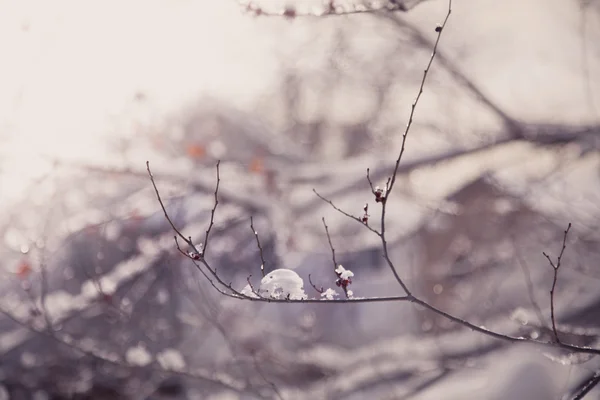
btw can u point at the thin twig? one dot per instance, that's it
(346, 214)
(335, 264)
(552, 318)
(212, 212)
(262, 258)
(386, 254)
(213, 284)
(587, 387)
(392, 180)
(320, 290)
(555, 278)
(369, 180)
(251, 285)
(440, 30)
(196, 255)
(162, 205)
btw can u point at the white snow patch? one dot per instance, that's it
(171, 359)
(282, 283)
(329, 294)
(138, 356)
(343, 272)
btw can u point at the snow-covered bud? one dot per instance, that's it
(379, 195)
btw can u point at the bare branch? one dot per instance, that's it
(552, 317)
(337, 268)
(252, 286)
(262, 258)
(386, 254)
(439, 29)
(383, 197)
(320, 290)
(587, 387)
(162, 205)
(212, 212)
(555, 278)
(197, 255)
(346, 214)
(335, 264)
(369, 180)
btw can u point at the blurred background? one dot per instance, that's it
(95, 300)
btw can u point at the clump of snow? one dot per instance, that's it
(282, 284)
(329, 294)
(138, 356)
(343, 273)
(196, 252)
(171, 359)
(344, 278)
